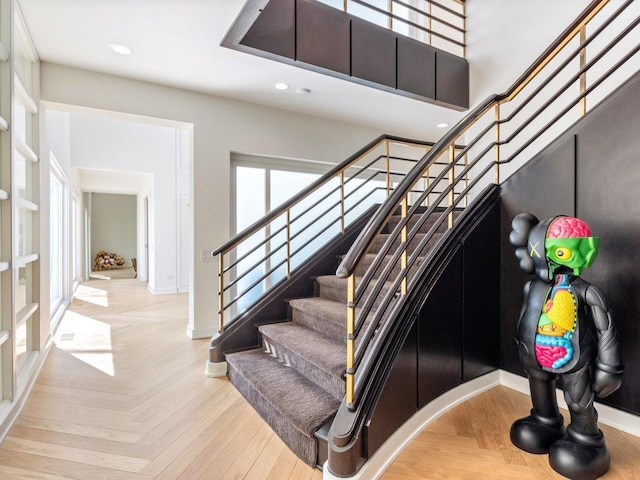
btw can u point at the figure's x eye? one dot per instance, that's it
(563, 253)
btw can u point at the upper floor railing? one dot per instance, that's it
(439, 23)
(588, 62)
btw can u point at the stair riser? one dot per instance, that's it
(337, 331)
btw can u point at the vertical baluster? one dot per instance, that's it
(351, 326)
(429, 24)
(464, 30)
(342, 201)
(583, 77)
(388, 167)
(221, 292)
(427, 200)
(496, 147)
(288, 243)
(452, 157)
(403, 239)
(466, 180)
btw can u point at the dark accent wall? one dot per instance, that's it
(456, 334)
(317, 37)
(592, 172)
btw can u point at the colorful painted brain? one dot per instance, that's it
(568, 227)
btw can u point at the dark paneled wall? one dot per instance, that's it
(591, 172)
(313, 35)
(441, 331)
(457, 334)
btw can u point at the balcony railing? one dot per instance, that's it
(439, 23)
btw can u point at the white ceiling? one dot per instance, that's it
(177, 43)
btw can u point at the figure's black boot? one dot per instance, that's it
(535, 433)
(580, 456)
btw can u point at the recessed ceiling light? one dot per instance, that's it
(120, 49)
(303, 91)
(281, 86)
(443, 125)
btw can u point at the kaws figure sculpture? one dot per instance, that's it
(564, 331)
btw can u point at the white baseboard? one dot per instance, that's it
(162, 291)
(401, 438)
(195, 333)
(214, 370)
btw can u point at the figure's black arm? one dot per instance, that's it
(608, 365)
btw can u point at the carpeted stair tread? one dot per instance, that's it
(335, 288)
(395, 220)
(318, 357)
(288, 401)
(323, 315)
(382, 238)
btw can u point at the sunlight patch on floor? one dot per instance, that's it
(88, 340)
(92, 295)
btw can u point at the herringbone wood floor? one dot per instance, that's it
(123, 395)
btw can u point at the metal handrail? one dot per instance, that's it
(237, 269)
(427, 21)
(370, 308)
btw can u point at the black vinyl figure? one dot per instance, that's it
(564, 332)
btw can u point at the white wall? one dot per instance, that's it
(113, 226)
(504, 37)
(115, 148)
(220, 126)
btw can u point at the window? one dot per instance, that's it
(57, 222)
(19, 208)
(260, 185)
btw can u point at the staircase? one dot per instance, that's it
(295, 381)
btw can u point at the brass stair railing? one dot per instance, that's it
(267, 252)
(590, 59)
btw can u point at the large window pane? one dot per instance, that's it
(23, 60)
(56, 243)
(22, 176)
(250, 206)
(22, 119)
(24, 288)
(25, 232)
(24, 341)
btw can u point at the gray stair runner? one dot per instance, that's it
(295, 381)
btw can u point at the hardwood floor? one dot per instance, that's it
(471, 442)
(123, 396)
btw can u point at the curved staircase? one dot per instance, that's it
(295, 381)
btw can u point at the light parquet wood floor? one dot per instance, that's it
(471, 442)
(123, 396)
